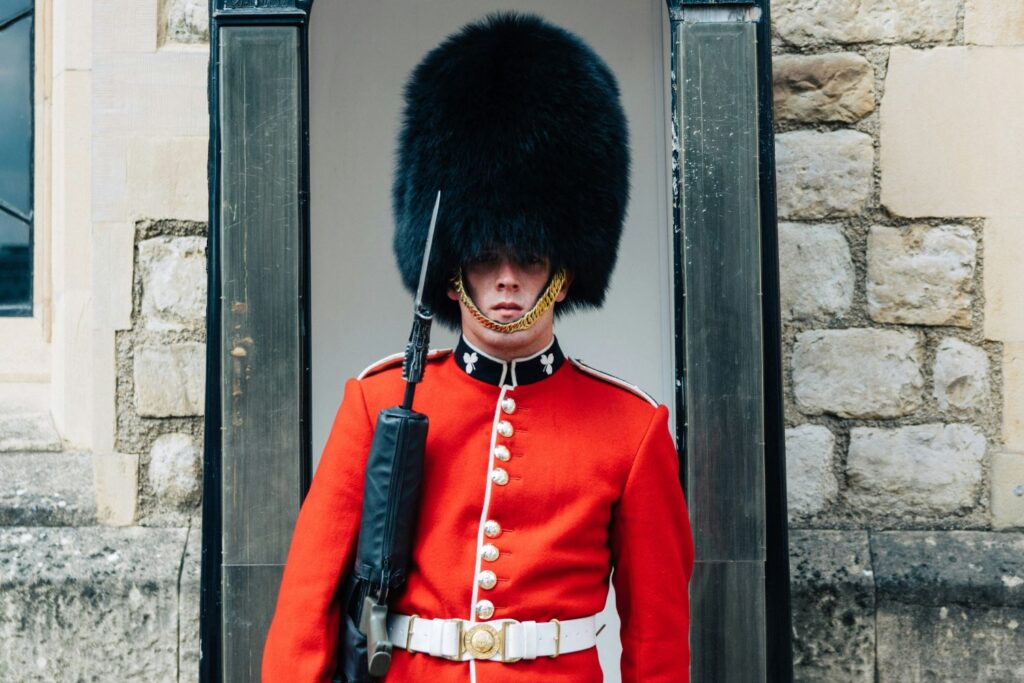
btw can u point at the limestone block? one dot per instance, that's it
(125, 26)
(994, 22)
(71, 388)
(1007, 490)
(104, 401)
(960, 374)
(173, 282)
(27, 431)
(811, 484)
(823, 174)
(23, 395)
(167, 177)
(833, 604)
(813, 22)
(72, 36)
(1013, 396)
(857, 372)
(950, 605)
(89, 604)
(174, 469)
(161, 94)
(927, 167)
(921, 275)
(830, 87)
(45, 489)
(25, 360)
(914, 471)
(71, 181)
(110, 178)
(815, 270)
(116, 480)
(169, 379)
(1004, 253)
(113, 271)
(186, 21)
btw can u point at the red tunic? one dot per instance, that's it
(593, 484)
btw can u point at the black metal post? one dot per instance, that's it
(777, 629)
(241, 13)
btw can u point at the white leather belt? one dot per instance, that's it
(501, 640)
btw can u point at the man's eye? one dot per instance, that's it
(484, 259)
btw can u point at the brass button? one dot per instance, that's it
(487, 579)
(499, 476)
(485, 609)
(489, 552)
(501, 453)
(505, 428)
(492, 529)
(508, 405)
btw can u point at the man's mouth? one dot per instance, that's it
(507, 306)
(506, 311)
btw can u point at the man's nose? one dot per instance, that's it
(508, 275)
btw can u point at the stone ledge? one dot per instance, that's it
(92, 602)
(942, 568)
(907, 605)
(46, 489)
(950, 606)
(833, 604)
(928, 568)
(27, 431)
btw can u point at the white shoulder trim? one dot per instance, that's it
(396, 359)
(612, 379)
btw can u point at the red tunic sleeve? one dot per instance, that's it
(652, 552)
(302, 640)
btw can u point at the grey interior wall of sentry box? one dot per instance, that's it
(361, 52)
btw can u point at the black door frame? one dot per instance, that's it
(224, 13)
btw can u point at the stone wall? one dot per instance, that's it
(99, 506)
(900, 395)
(901, 235)
(161, 369)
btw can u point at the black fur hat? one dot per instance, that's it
(518, 123)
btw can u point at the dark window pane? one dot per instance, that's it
(8, 8)
(16, 115)
(15, 265)
(15, 158)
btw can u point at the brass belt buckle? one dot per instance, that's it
(482, 641)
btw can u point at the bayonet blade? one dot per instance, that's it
(426, 252)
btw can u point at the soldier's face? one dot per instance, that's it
(504, 288)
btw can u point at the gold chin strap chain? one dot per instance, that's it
(527, 319)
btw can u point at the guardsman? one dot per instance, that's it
(543, 477)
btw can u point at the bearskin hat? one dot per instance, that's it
(518, 123)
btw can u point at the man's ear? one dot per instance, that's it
(452, 294)
(565, 288)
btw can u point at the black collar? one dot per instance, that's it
(479, 365)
